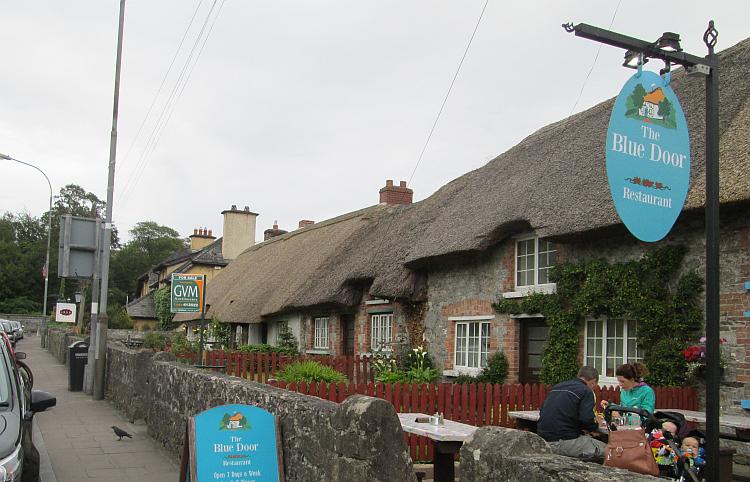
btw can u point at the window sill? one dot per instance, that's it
(546, 289)
(607, 382)
(458, 371)
(318, 351)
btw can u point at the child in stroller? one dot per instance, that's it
(677, 448)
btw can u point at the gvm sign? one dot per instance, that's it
(188, 293)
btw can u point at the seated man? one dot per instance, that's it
(568, 412)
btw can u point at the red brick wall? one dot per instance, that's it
(469, 307)
(511, 346)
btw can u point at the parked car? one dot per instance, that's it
(19, 458)
(8, 329)
(19, 329)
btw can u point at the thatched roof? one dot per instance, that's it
(279, 274)
(553, 182)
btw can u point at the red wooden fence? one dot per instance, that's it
(260, 367)
(476, 404)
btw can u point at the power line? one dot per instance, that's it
(596, 57)
(163, 81)
(447, 94)
(171, 102)
(376, 252)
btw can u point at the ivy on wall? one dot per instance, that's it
(645, 290)
(162, 303)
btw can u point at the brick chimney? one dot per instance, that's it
(239, 231)
(273, 232)
(305, 223)
(201, 238)
(391, 194)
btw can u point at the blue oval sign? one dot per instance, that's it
(648, 156)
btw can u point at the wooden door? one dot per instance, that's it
(347, 326)
(534, 333)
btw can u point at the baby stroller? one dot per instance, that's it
(673, 462)
(665, 446)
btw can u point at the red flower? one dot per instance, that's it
(648, 183)
(692, 353)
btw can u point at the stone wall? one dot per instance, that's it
(359, 439)
(58, 341)
(500, 454)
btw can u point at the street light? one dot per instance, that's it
(667, 48)
(49, 231)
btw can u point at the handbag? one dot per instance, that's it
(630, 450)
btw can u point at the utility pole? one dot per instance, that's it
(101, 338)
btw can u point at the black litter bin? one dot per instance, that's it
(78, 356)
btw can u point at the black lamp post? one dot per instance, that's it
(667, 48)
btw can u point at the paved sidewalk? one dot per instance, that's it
(76, 434)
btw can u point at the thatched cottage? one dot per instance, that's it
(429, 272)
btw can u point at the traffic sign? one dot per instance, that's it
(188, 293)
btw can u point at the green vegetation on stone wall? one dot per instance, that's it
(646, 290)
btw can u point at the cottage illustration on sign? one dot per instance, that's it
(651, 107)
(234, 422)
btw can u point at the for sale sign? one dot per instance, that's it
(65, 313)
(188, 293)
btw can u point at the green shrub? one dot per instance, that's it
(496, 370)
(396, 376)
(266, 348)
(180, 345)
(464, 379)
(309, 371)
(155, 341)
(287, 343)
(119, 318)
(388, 370)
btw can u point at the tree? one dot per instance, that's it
(22, 253)
(149, 244)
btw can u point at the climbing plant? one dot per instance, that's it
(645, 290)
(162, 303)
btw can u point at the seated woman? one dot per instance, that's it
(634, 392)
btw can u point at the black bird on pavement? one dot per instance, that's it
(121, 433)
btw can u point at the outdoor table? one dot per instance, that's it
(527, 420)
(446, 439)
(740, 424)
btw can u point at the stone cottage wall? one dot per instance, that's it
(469, 287)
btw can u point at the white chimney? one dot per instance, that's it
(239, 231)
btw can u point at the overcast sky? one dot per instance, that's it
(299, 109)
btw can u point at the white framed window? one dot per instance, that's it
(381, 331)
(610, 342)
(535, 257)
(281, 326)
(321, 333)
(472, 345)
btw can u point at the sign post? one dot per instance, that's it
(667, 48)
(232, 443)
(189, 296)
